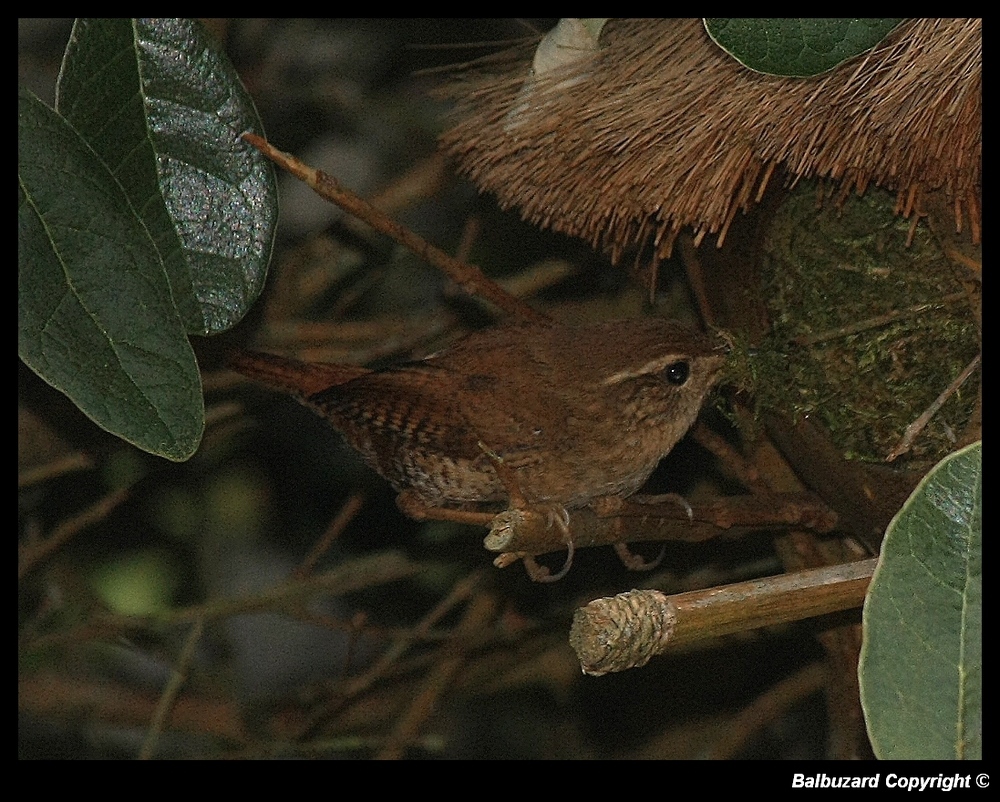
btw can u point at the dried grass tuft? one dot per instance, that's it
(659, 130)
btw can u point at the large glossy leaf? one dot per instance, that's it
(165, 109)
(796, 47)
(95, 314)
(921, 660)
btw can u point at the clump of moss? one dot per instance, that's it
(872, 329)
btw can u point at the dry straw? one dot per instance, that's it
(659, 129)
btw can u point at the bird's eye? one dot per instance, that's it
(676, 373)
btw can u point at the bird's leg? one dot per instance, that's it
(556, 515)
(636, 562)
(413, 506)
(539, 573)
(609, 505)
(659, 499)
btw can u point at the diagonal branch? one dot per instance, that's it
(470, 278)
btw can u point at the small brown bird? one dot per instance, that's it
(573, 413)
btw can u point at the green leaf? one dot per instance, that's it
(96, 319)
(921, 659)
(797, 47)
(164, 109)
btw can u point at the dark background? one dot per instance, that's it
(355, 97)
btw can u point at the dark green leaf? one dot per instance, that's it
(165, 109)
(921, 660)
(95, 315)
(796, 47)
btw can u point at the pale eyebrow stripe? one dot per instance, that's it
(652, 366)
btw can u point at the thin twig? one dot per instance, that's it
(529, 531)
(876, 322)
(349, 577)
(75, 461)
(468, 277)
(30, 554)
(340, 521)
(917, 426)
(172, 689)
(736, 464)
(696, 279)
(462, 590)
(476, 618)
(768, 708)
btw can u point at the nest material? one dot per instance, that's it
(659, 129)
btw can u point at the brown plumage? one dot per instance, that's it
(576, 413)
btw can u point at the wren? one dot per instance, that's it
(572, 413)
